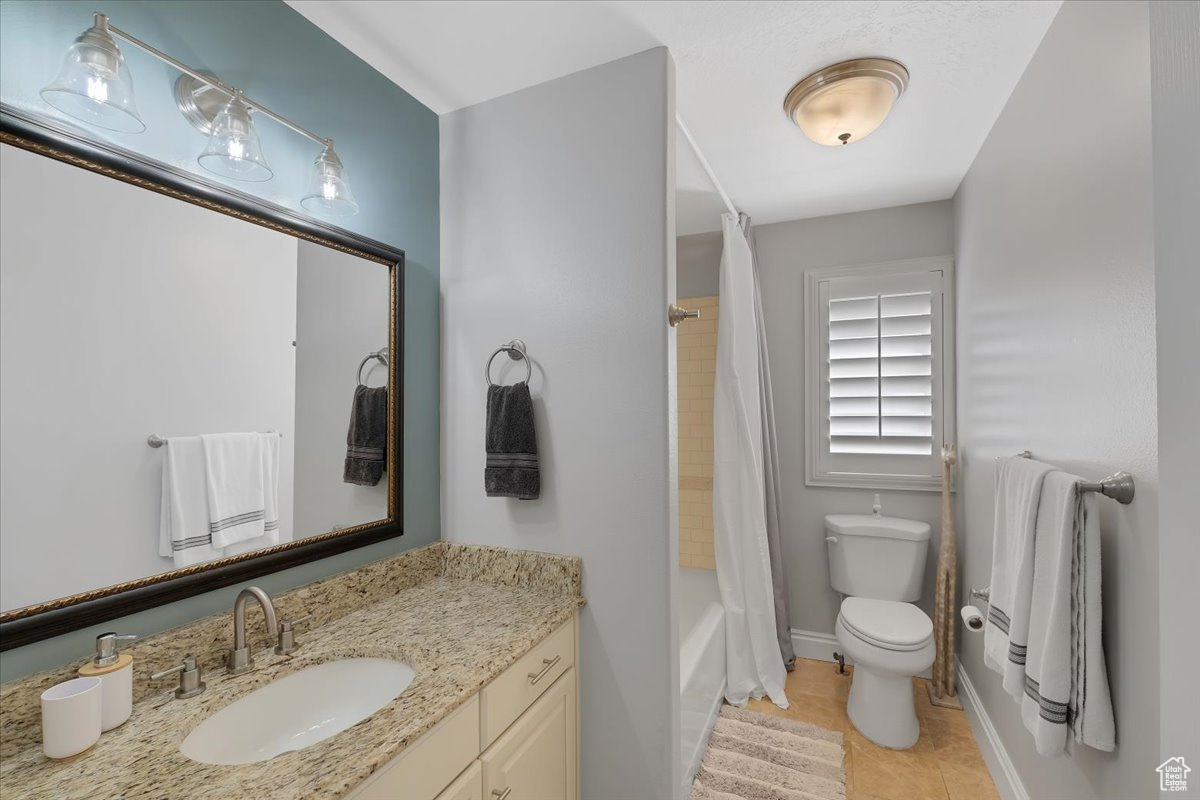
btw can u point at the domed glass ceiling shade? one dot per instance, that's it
(328, 190)
(233, 149)
(846, 102)
(94, 84)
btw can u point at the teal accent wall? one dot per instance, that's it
(389, 143)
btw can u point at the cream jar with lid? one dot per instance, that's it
(115, 671)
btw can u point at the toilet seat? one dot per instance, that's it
(887, 624)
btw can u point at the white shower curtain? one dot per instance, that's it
(743, 558)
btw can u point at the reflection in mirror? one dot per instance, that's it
(125, 313)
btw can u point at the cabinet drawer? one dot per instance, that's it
(468, 786)
(428, 765)
(505, 698)
(536, 758)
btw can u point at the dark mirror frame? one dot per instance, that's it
(33, 623)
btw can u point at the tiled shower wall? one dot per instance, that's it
(697, 365)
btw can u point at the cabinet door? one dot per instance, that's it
(536, 758)
(468, 786)
(423, 770)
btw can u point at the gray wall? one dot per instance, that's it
(1056, 353)
(785, 250)
(1175, 80)
(341, 315)
(557, 228)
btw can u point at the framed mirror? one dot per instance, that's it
(197, 387)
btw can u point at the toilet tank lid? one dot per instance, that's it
(883, 527)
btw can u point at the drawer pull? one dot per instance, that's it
(534, 677)
(502, 795)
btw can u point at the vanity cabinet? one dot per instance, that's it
(535, 759)
(517, 739)
(468, 786)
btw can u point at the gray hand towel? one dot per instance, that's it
(512, 461)
(366, 441)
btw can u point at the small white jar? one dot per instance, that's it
(71, 717)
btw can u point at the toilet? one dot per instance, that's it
(878, 564)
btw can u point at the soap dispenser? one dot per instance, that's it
(115, 671)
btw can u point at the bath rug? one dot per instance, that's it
(754, 756)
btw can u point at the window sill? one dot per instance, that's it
(914, 483)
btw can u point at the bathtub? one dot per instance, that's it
(701, 665)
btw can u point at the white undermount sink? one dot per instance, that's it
(297, 710)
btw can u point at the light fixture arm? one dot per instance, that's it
(103, 23)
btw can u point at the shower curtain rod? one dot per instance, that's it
(712, 176)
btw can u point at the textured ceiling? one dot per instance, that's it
(735, 62)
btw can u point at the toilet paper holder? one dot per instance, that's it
(984, 594)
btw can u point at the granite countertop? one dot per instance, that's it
(459, 626)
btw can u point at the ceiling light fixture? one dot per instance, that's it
(94, 86)
(845, 102)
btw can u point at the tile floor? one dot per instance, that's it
(944, 764)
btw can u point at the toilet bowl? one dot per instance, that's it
(889, 642)
(877, 564)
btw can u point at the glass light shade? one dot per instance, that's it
(846, 102)
(328, 192)
(845, 111)
(233, 149)
(94, 84)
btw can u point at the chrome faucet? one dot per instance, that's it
(240, 658)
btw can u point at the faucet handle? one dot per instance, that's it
(287, 635)
(190, 674)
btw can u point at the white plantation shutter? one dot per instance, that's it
(881, 374)
(876, 415)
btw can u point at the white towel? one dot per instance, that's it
(1066, 681)
(272, 535)
(1018, 489)
(235, 479)
(1092, 721)
(183, 532)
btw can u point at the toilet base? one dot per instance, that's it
(882, 708)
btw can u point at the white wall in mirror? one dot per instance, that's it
(340, 312)
(123, 313)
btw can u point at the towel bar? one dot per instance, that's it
(154, 440)
(1119, 486)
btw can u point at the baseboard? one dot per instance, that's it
(819, 646)
(822, 646)
(702, 745)
(1004, 774)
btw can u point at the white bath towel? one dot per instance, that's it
(1018, 489)
(235, 479)
(183, 533)
(272, 534)
(1066, 681)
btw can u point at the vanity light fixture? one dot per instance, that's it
(94, 86)
(233, 149)
(845, 102)
(328, 191)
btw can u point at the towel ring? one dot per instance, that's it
(380, 355)
(516, 351)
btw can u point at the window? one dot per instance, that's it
(879, 377)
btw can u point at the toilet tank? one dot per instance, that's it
(882, 558)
